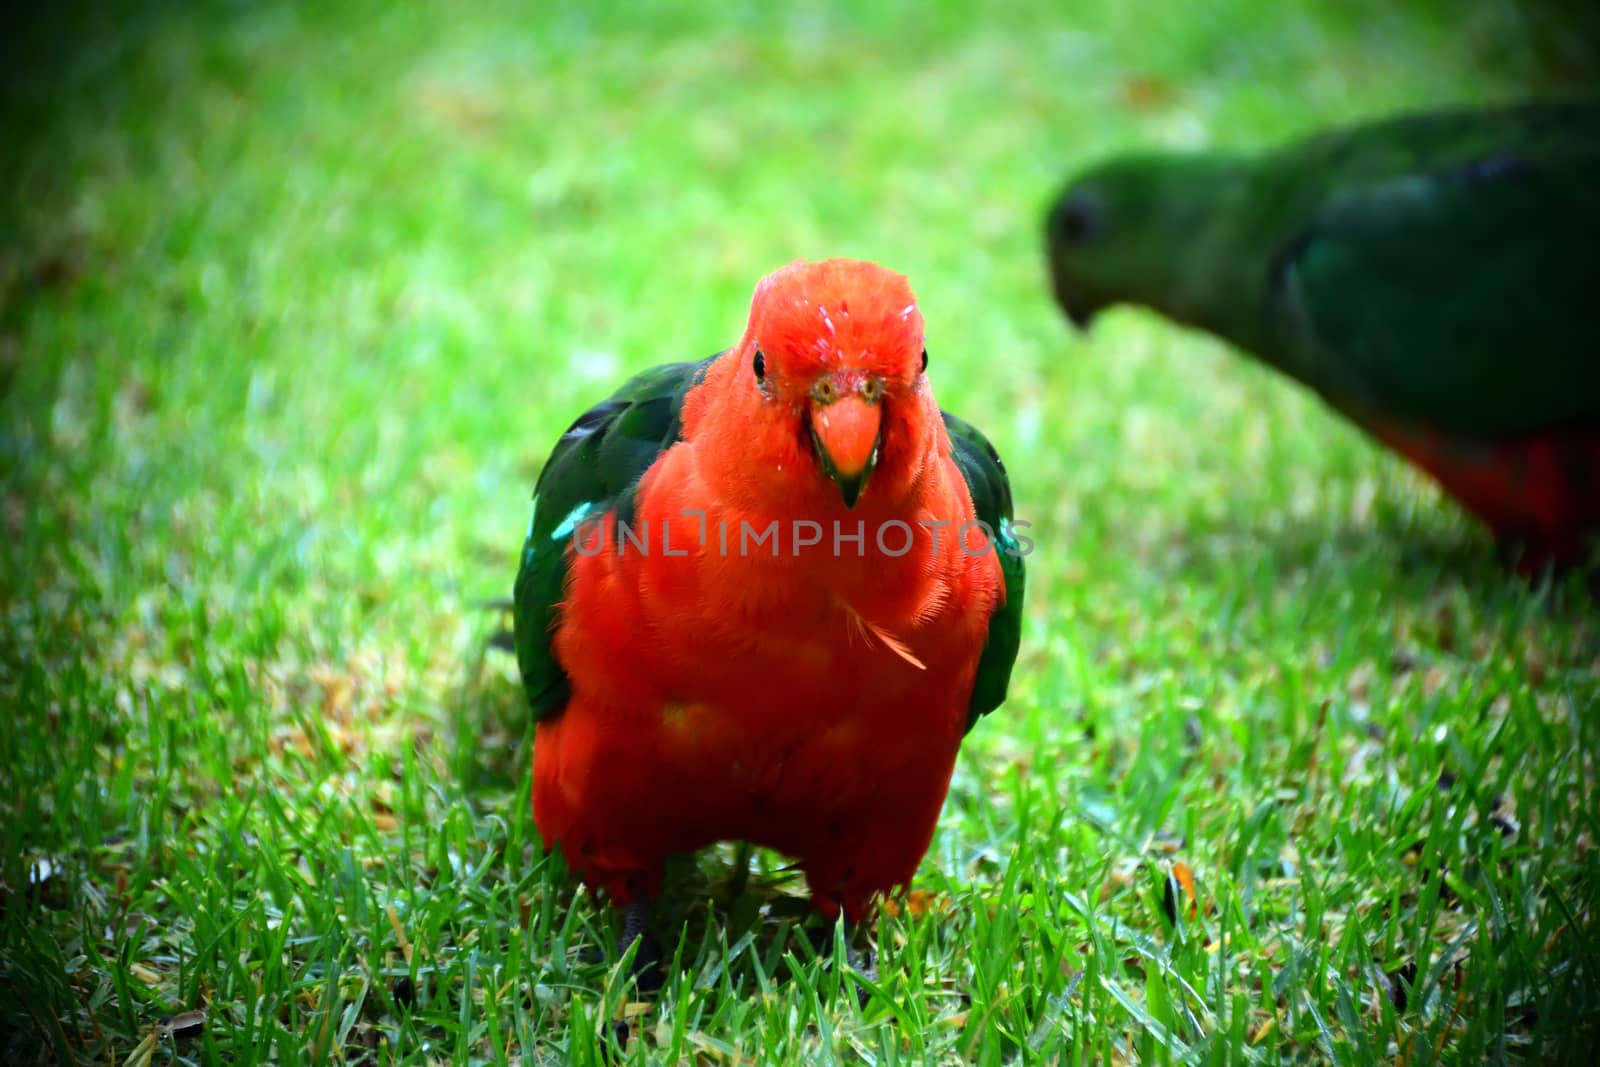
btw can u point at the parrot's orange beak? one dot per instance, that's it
(845, 432)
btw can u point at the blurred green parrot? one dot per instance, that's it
(1434, 277)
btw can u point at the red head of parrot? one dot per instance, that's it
(836, 356)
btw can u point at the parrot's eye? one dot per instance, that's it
(759, 365)
(924, 358)
(1078, 219)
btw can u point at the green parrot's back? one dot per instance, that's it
(1446, 269)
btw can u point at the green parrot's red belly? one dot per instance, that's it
(1540, 491)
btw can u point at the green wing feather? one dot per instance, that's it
(595, 467)
(986, 480)
(1464, 295)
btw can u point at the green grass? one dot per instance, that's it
(294, 305)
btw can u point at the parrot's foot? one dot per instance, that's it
(863, 963)
(646, 971)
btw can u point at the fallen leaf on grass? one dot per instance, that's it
(140, 1056)
(917, 902)
(1185, 877)
(185, 1024)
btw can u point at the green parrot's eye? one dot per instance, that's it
(1078, 218)
(759, 365)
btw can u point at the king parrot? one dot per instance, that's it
(1435, 277)
(763, 597)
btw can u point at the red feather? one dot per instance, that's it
(1540, 491)
(721, 695)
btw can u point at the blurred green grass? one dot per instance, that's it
(295, 299)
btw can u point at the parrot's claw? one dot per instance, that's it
(614, 1040)
(646, 970)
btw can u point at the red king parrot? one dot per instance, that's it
(1435, 277)
(763, 597)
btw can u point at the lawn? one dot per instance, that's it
(293, 305)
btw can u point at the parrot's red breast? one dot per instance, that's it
(779, 643)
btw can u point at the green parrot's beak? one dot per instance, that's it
(1081, 317)
(1073, 223)
(1079, 305)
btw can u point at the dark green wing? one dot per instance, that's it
(986, 480)
(1466, 297)
(594, 467)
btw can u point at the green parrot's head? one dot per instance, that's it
(1117, 233)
